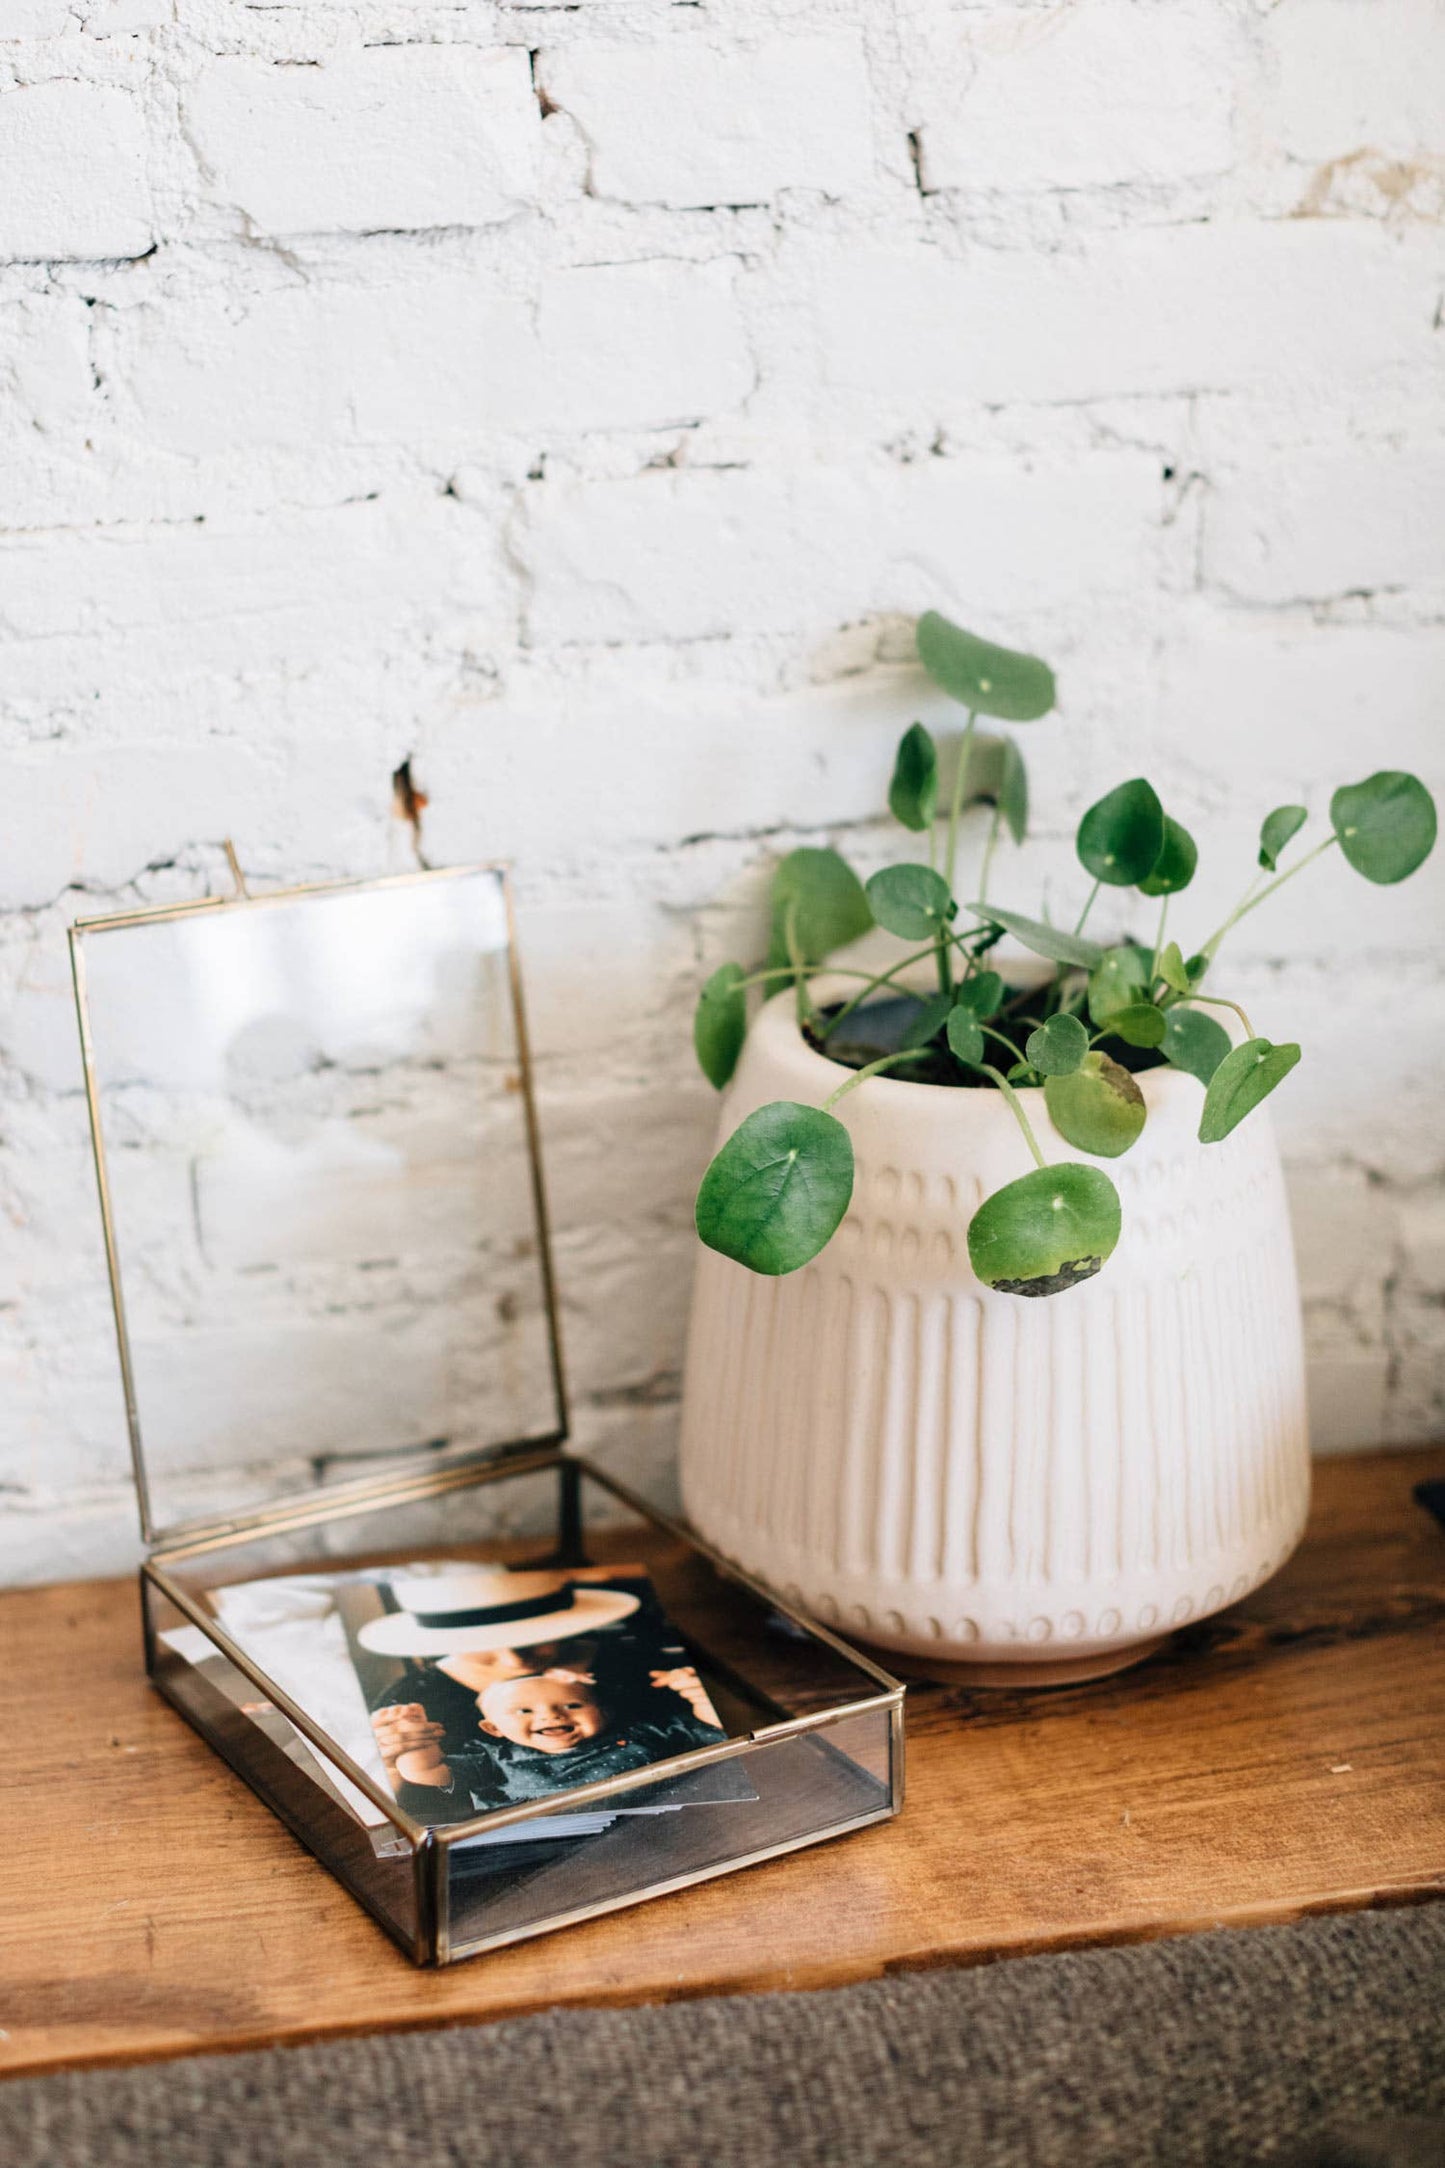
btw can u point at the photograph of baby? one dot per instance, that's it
(465, 1688)
(507, 1686)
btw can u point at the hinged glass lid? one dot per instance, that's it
(320, 1186)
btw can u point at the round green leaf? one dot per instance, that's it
(981, 994)
(1172, 969)
(1174, 867)
(990, 680)
(1279, 828)
(778, 1188)
(1043, 939)
(997, 776)
(965, 1039)
(1116, 982)
(1120, 838)
(1046, 1232)
(1058, 1047)
(1245, 1076)
(1140, 1024)
(1386, 825)
(1194, 1041)
(1099, 1109)
(720, 1024)
(913, 792)
(827, 901)
(912, 901)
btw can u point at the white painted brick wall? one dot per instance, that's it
(577, 401)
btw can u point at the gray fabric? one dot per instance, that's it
(1285, 2044)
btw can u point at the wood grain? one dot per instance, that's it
(1286, 1757)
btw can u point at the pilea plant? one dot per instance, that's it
(780, 1185)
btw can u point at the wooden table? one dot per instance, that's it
(1286, 1757)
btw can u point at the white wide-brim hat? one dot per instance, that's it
(489, 1607)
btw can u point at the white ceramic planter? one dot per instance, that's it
(1023, 1488)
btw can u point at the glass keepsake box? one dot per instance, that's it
(489, 1687)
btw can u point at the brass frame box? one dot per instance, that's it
(814, 1728)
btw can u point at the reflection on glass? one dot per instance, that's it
(320, 1173)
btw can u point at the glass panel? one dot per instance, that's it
(375, 1859)
(321, 1180)
(785, 1793)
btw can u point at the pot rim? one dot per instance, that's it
(777, 1011)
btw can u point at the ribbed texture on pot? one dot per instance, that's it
(948, 1471)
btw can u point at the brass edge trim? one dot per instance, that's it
(429, 1895)
(818, 1719)
(344, 1501)
(330, 1750)
(534, 1154)
(156, 913)
(673, 1885)
(112, 1253)
(898, 1760)
(731, 1572)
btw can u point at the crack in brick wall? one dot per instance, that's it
(570, 407)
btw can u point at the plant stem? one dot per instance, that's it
(872, 1068)
(882, 978)
(1159, 942)
(1217, 1001)
(988, 854)
(945, 963)
(1088, 907)
(799, 967)
(1250, 902)
(1018, 1111)
(989, 1033)
(956, 803)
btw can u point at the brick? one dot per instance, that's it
(1352, 77)
(56, 204)
(447, 362)
(1317, 524)
(640, 346)
(1092, 95)
(1219, 306)
(336, 146)
(45, 366)
(698, 555)
(692, 124)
